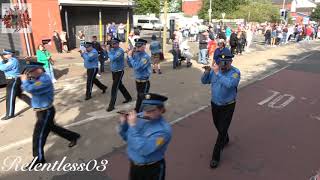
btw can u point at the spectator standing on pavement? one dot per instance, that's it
(175, 51)
(308, 33)
(267, 36)
(91, 59)
(249, 36)
(228, 34)
(11, 68)
(121, 32)
(193, 33)
(113, 30)
(222, 34)
(39, 85)
(203, 48)
(285, 31)
(233, 42)
(82, 39)
(147, 135)
(64, 41)
(45, 57)
(273, 37)
(140, 61)
(97, 46)
(116, 56)
(57, 41)
(224, 80)
(240, 42)
(155, 48)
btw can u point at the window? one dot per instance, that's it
(143, 21)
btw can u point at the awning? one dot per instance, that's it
(97, 3)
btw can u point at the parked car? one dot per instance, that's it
(150, 23)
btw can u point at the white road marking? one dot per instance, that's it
(275, 93)
(275, 72)
(315, 117)
(273, 103)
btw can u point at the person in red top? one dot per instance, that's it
(308, 33)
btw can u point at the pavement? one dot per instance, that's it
(248, 155)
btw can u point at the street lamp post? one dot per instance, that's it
(210, 11)
(223, 15)
(164, 37)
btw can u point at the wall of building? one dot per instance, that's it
(45, 20)
(191, 8)
(86, 19)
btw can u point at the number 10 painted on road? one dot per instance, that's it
(275, 98)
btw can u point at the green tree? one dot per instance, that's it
(220, 6)
(147, 6)
(257, 11)
(315, 16)
(250, 10)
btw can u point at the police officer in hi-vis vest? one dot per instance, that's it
(91, 62)
(224, 80)
(116, 56)
(10, 66)
(140, 61)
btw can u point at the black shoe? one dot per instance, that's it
(104, 90)
(127, 100)
(110, 109)
(87, 98)
(7, 118)
(73, 142)
(214, 164)
(154, 71)
(159, 72)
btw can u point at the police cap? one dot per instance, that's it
(7, 51)
(140, 42)
(115, 40)
(152, 101)
(30, 66)
(225, 55)
(88, 44)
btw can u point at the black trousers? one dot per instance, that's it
(156, 171)
(92, 79)
(222, 116)
(142, 89)
(233, 49)
(239, 48)
(102, 62)
(14, 90)
(45, 123)
(117, 84)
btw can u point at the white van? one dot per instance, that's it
(148, 23)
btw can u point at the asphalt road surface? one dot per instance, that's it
(273, 134)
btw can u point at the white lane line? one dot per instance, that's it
(189, 114)
(275, 72)
(28, 140)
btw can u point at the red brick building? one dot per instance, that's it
(70, 16)
(191, 7)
